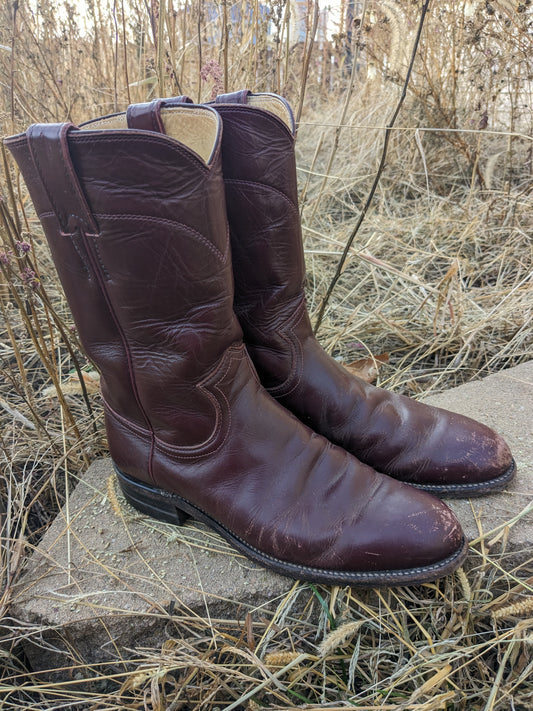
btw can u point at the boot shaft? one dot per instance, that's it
(262, 203)
(137, 227)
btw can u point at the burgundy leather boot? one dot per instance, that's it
(136, 222)
(437, 450)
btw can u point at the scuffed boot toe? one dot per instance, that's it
(417, 529)
(452, 455)
(483, 462)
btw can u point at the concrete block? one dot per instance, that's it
(105, 578)
(503, 401)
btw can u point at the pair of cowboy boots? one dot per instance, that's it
(270, 442)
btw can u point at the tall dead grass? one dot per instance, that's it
(439, 278)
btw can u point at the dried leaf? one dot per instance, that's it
(367, 368)
(18, 550)
(72, 386)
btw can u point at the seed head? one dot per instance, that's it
(23, 247)
(29, 278)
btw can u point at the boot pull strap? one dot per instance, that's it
(50, 153)
(147, 117)
(237, 97)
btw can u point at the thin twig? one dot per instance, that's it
(309, 44)
(388, 131)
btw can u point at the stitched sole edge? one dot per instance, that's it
(170, 507)
(467, 490)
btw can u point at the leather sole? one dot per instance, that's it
(169, 507)
(457, 491)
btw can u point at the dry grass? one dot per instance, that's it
(439, 278)
(461, 643)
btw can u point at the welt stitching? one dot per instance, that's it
(465, 487)
(174, 223)
(339, 574)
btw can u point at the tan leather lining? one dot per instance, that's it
(274, 105)
(196, 128)
(118, 121)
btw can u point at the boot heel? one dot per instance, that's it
(154, 502)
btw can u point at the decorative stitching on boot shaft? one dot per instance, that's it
(109, 136)
(223, 419)
(255, 184)
(222, 256)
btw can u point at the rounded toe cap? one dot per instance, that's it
(406, 533)
(475, 460)
(451, 454)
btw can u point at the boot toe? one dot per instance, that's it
(470, 460)
(408, 529)
(396, 535)
(498, 458)
(438, 450)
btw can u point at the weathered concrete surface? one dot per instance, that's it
(106, 580)
(504, 402)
